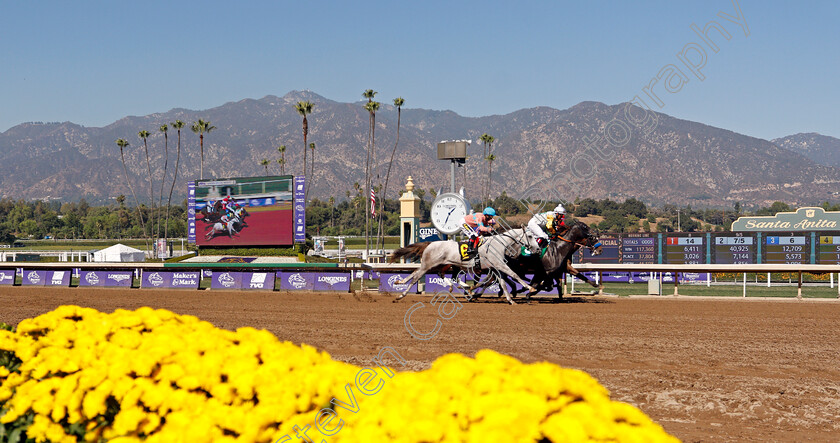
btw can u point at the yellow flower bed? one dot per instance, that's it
(76, 373)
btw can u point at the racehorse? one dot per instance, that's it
(435, 255)
(556, 260)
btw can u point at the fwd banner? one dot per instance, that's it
(110, 279)
(33, 277)
(243, 280)
(170, 279)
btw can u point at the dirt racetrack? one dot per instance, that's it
(705, 369)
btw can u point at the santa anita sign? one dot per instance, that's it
(804, 219)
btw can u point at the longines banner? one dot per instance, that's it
(804, 219)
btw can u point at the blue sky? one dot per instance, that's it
(94, 62)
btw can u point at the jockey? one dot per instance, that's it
(479, 224)
(552, 222)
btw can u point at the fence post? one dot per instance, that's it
(768, 279)
(745, 284)
(799, 290)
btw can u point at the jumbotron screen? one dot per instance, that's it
(244, 211)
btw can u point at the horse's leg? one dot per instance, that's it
(413, 278)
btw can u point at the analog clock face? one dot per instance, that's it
(448, 212)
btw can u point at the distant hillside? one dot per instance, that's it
(821, 149)
(680, 162)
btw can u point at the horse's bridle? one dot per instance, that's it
(585, 242)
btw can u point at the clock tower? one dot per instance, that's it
(409, 215)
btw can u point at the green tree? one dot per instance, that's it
(490, 159)
(282, 161)
(178, 124)
(488, 140)
(122, 143)
(164, 128)
(145, 135)
(312, 166)
(202, 127)
(264, 163)
(398, 102)
(304, 108)
(371, 106)
(631, 206)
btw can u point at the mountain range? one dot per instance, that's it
(680, 162)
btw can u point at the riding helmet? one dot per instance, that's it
(489, 211)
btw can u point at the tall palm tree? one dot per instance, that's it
(371, 107)
(398, 102)
(145, 135)
(164, 128)
(490, 159)
(178, 124)
(122, 143)
(282, 161)
(488, 140)
(201, 127)
(264, 163)
(312, 168)
(304, 108)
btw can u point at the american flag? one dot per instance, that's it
(372, 201)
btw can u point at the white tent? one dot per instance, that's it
(119, 253)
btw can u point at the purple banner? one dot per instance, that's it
(34, 278)
(169, 279)
(58, 278)
(111, 279)
(389, 282)
(258, 280)
(296, 281)
(615, 277)
(434, 283)
(226, 280)
(7, 277)
(191, 212)
(300, 209)
(332, 281)
(206, 273)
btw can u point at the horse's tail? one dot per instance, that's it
(413, 250)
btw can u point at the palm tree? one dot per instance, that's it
(145, 135)
(371, 107)
(490, 159)
(282, 161)
(488, 140)
(163, 128)
(264, 162)
(177, 125)
(122, 143)
(304, 108)
(312, 168)
(398, 102)
(201, 127)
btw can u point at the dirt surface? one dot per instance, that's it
(707, 370)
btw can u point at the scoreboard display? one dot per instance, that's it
(638, 250)
(793, 249)
(735, 249)
(685, 250)
(610, 252)
(829, 250)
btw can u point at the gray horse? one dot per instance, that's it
(442, 254)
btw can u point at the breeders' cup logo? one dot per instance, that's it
(33, 277)
(226, 280)
(118, 277)
(297, 281)
(299, 208)
(92, 278)
(392, 282)
(155, 279)
(332, 280)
